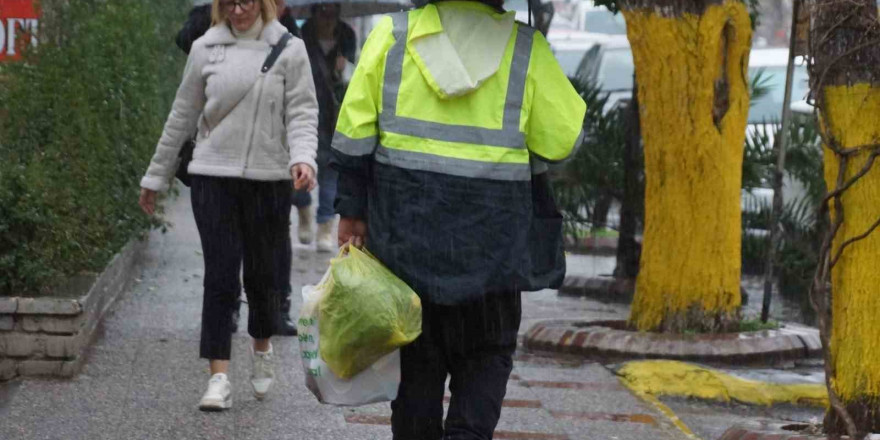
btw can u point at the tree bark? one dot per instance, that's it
(845, 44)
(691, 59)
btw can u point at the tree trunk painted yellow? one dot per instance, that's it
(851, 114)
(693, 92)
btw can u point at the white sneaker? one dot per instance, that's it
(325, 237)
(263, 372)
(304, 230)
(219, 394)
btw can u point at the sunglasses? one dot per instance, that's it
(229, 6)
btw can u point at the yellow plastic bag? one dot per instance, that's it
(365, 313)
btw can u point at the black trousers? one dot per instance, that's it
(241, 222)
(474, 344)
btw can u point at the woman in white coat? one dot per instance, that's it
(257, 131)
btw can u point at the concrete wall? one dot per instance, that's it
(48, 336)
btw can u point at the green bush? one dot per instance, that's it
(82, 115)
(798, 251)
(585, 185)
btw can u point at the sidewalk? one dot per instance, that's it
(143, 378)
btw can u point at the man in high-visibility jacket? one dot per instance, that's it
(439, 145)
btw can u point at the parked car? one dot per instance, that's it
(766, 112)
(609, 64)
(771, 64)
(570, 47)
(597, 19)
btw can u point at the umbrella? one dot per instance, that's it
(351, 8)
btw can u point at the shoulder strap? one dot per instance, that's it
(276, 52)
(270, 61)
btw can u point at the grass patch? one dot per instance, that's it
(755, 324)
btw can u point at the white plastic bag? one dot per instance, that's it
(378, 383)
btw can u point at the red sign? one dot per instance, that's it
(19, 21)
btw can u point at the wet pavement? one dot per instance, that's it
(143, 377)
(709, 420)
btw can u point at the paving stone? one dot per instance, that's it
(49, 306)
(585, 401)
(47, 368)
(8, 304)
(64, 346)
(16, 344)
(52, 324)
(7, 322)
(8, 369)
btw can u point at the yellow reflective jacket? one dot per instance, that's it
(449, 114)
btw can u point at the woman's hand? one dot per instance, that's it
(352, 230)
(148, 201)
(303, 176)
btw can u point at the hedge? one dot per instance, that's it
(80, 118)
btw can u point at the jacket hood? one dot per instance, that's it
(458, 45)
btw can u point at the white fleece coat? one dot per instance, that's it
(251, 125)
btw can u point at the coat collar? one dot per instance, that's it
(220, 34)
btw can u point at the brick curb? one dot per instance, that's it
(605, 289)
(771, 433)
(609, 340)
(48, 336)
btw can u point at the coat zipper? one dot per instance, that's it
(254, 123)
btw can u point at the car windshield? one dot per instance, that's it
(768, 108)
(602, 21)
(569, 59)
(617, 69)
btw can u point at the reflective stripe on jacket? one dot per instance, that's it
(439, 158)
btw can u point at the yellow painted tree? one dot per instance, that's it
(691, 60)
(845, 77)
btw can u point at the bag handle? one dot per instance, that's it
(276, 52)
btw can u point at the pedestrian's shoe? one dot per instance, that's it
(219, 394)
(284, 326)
(263, 372)
(325, 237)
(304, 230)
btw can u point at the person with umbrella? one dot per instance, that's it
(441, 148)
(331, 43)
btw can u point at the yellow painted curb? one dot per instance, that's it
(673, 378)
(669, 413)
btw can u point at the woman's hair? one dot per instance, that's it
(267, 9)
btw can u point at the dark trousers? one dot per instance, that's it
(240, 222)
(474, 344)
